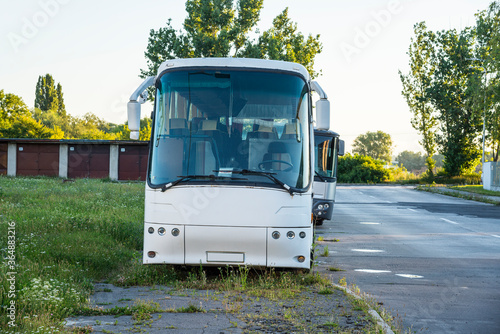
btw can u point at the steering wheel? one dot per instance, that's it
(290, 166)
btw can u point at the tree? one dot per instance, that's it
(123, 132)
(411, 160)
(16, 120)
(377, 145)
(415, 89)
(488, 49)
(214, 28)
(450, 93)
(90, 127)
(49, 104)
(47, 95)
(25, 126)
(284, 42)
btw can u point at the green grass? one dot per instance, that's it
(67, 235)
(477, 189)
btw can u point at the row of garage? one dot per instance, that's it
(117, 160)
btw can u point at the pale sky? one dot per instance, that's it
(95, 49)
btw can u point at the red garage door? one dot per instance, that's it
(88, 160)
(3, 158)
(37, 159)
(132, 162)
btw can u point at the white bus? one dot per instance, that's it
(327, 148)
(230, 171)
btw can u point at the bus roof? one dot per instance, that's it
(236, 63)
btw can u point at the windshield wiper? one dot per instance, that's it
(269, 175)
(183, 178)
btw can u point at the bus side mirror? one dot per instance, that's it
(323, 114)
(341, 147)
(134, 119)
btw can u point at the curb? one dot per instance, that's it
(387, 329)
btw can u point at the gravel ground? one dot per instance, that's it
(224, 312)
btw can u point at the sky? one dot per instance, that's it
(95, 49)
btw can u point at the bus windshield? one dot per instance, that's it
(325, 156)
(230, 126)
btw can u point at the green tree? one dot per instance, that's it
(215, 28)
(487, 98)
(123, 132)
(16, 120)
(411, 160)
(415, 89)
(25, 126)
(451, 95)
(49, 104)
(284, 42)
(89, 126)
(46, 94)
(377, 145)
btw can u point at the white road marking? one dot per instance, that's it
(411, 210)
(409, 276)
(368, 250)
(372, 271)
(496, 236)
(369, 223)
(449, 221)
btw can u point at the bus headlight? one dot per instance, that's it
(151, 254)
(290, 235)
(276, 235)
(302, 235)
(175, 232)
(320, 207)
(151, 230)
(327, 206)
(161, 231)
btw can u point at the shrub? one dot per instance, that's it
(361, 169)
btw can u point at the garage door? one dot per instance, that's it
(3, 158)
(37, 159)
(88, 161)
(132, 162)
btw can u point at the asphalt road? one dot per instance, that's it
(432, 260)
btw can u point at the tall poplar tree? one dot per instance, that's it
(49, 104)
(46, 94)
(415, 89)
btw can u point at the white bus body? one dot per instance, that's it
(230, 170)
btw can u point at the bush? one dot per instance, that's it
(361, 169)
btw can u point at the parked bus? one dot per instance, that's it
(230, 171)
(327, 148)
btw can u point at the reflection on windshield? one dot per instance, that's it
(213, 123)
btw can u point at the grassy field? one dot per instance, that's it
(62, 237)
(58, 238)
